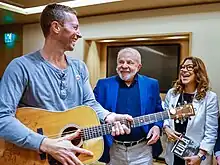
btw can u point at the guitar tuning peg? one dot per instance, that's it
(177, 121)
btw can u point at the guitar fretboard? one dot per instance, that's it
(104, 129)
(148, 119)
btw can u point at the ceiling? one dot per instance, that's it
(9, 17)
(30, 3)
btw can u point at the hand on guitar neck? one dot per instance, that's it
(119, 128)
(63, 150)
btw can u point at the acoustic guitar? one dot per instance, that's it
(58, 124)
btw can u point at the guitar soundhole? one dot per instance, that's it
(77, 142)
(69, 130)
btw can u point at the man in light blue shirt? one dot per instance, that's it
(49, 79)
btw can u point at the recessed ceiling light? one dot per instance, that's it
(39, 9)
(107, 40)
(139, 39)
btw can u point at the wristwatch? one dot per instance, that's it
(201, 156)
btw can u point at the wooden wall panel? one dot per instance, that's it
(10, 51)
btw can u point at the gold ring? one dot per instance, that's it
(171, 139)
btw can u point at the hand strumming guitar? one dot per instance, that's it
(63, 150)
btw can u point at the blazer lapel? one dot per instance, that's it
(173, 104)
(113, 93)
(143, 93)
(175, 100)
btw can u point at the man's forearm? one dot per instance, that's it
(15, 132)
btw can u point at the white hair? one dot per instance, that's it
(133, 51)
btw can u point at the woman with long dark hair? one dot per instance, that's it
(192, 86)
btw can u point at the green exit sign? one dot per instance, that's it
(9, 38)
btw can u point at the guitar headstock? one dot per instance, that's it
(182, 111)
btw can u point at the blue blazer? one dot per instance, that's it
(106, 93)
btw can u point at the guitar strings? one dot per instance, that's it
(87, 130)
(65, 133)
(84, 131)
(105, 126)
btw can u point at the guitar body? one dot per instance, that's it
(52, 123)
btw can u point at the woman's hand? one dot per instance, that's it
(218, 160)
(192, 160)
(172, 135)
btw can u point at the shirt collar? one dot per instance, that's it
(122, 81)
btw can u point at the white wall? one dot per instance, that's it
(202, 21)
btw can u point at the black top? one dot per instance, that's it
(181, 126)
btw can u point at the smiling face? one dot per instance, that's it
(193, 78)
(187, 75)
(69, 32)
(128, 64)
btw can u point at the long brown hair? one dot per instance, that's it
(202, 80)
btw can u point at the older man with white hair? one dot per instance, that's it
(136, 95)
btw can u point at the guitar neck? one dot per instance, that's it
(96, 131)
(148, 119)
(104, 129)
